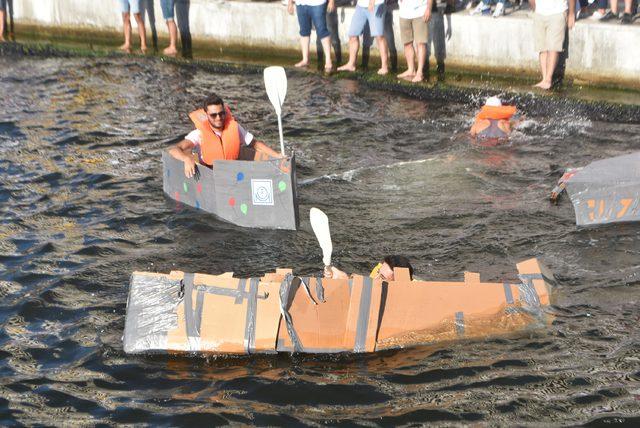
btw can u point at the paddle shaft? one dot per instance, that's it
(281, 136)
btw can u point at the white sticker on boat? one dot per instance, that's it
(262, 192)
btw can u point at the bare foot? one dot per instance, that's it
(328, 68)
(408, 73)
(301, 64)
(347, 67)
(418, 78)
(2, 38)
(538, 85)
(125, 48)
(544, 85)
(383, 71)
(170, 51)
(143, 49)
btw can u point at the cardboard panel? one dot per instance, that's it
(247, 193)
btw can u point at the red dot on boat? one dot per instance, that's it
(199, 187)
(232, 201)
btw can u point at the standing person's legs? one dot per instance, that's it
(126, 21)
(319, 17)
(420, 36)
(168, 15)
(406, 36)
(3, 8)
(304, 22)
(539, 36)
(356, 28)
(376, 23)
(555, 29)
(136, 10)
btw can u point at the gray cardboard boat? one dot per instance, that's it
(246, 192)
(605, 191)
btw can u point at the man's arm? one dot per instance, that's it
(532, 5)
(182, 152)
(259, 146)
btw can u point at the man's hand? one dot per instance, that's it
(427, 15)
(372, 5)
(331, 6)
(290, 7)
(189, 167)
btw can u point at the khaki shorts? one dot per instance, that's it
(549, 31)
(413, 29)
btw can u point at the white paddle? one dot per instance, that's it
(320, 225)
(275, 81)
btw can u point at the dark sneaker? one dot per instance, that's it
(626, 18)
(608, 16)
(583, 14)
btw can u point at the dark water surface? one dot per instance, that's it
(82, 207)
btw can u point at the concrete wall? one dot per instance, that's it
(597, 51)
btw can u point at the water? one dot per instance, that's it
(82, 207)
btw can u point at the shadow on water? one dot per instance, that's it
(82, 207)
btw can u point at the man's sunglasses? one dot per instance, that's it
(214, 115)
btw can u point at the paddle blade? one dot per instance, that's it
(320, 225)
(275, 81)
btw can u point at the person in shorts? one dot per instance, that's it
(127, 7)
(550, 22)
(168, 8)
(313, 12)
(414, 16)
(372, 12)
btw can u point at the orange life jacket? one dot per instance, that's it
(493, 122)
(214, 147)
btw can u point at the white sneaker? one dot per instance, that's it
(596, 16)
(480, 8)
(499, 10)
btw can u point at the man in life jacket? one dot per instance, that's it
(494, 121)
(383, 270)
(217, 137)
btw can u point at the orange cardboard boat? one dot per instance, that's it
(280, 312)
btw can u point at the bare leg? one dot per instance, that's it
(354, 46)
(422, 58)
(141, 32)
(543, 68)
(552, 61)
(173, 38)
(2, 25)
(410, 55)
(127, 32)
(627, 6)
(384, 55)
(304, 45)
(326, 47)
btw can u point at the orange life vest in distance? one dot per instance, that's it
(493, 122)
(214, 147)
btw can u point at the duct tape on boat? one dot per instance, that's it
(262, 191)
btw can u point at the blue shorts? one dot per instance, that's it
(3, 4)
(317, 15)
(130, 6)
(167, 9)
(375, 19)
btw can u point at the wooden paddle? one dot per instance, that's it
(320, 225)
(275, 81)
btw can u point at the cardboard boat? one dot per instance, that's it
(605, 191)
(280, 312)
(251, 192)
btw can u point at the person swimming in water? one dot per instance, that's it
(494, 122)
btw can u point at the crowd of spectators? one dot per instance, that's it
(422, 25)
